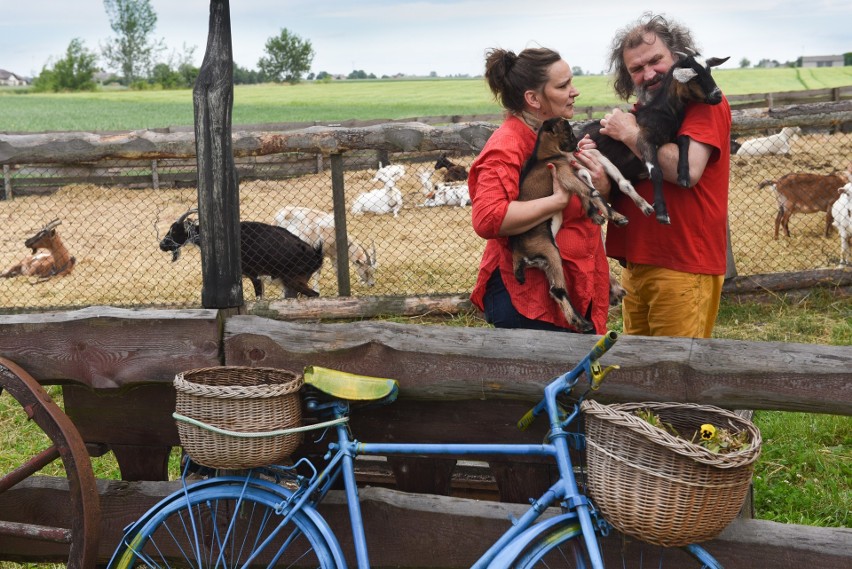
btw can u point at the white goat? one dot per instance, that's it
(444, 193)
(384, 200)
(841, 211)
(775, 144)
(317, 227)
(389, 173)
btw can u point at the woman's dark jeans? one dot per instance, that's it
(500, 312)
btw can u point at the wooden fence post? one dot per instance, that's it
(7, 183)
(218, 191)
(338, 197)
(155, 176)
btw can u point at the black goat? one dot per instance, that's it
(454, 173)
(264, 250)
(659, 114)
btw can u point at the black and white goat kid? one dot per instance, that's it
(265, 250)
(659, 114)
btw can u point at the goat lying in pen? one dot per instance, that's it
(536, 247)
(659, 114)
(454, 172)
(50, 258)
(264, 250)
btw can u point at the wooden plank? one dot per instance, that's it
(415, 530)
(106, 348)
(449, 363)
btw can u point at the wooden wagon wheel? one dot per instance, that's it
(68, 446)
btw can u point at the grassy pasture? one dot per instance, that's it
(110, 109)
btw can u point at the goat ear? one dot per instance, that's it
(683, 74)
(716, 61)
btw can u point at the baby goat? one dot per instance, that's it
(264, 250)
(50, 258)
(536, 247)
(388, 174)
(381, 201)
(659, 114)
(454, 172)
(449, 194)
(317, 228)
(778, 143)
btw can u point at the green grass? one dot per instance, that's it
(22, 111)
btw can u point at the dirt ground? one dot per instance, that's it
(114, 233)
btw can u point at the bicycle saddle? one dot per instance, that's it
(350, 386)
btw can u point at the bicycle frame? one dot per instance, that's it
(342, 453)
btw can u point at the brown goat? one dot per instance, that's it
(49, 257)
(536, 247)
(454, 172)
(802, 192)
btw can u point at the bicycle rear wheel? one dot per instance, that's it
(227, 525)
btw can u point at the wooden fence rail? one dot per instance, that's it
(457, 385)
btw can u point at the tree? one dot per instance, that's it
(74, 72)
(744, 62)
(288, 57)
(132, 50)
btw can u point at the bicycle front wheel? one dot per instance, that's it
(563, 546)
(224, 526)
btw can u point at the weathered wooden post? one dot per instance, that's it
(218, 191)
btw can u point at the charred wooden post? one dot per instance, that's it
(218, 190)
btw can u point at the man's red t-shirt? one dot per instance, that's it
(696, 240)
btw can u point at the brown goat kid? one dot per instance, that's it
(536, 247)
(802, 192)
(49, 258)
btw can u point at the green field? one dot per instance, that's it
(111, 109)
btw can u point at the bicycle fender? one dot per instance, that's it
(513, 549)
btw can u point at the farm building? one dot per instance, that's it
(11, 79)
(822, 61)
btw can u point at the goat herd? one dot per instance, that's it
(292, 247)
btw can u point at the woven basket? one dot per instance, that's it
(243, 399)
(659, 488)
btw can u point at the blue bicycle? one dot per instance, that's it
(268, 516)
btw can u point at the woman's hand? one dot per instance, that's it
(588, 161)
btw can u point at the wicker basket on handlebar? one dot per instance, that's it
(254, 401)
(660, 488)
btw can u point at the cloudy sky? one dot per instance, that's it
(386, 37)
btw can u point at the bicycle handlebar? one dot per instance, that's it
(602, 345)
(589, 364)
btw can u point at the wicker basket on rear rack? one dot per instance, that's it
(660, 488)
(254, 404)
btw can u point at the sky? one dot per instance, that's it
(448, 38)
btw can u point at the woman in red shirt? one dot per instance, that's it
(533, 86)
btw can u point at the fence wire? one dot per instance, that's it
(408, 226)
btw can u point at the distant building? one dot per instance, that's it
(822, 61)
(11, 79)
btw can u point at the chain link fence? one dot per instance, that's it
(408, 229)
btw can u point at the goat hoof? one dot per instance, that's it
(620, 220)
(648, 210)
(683, 182)
(664, 218)
(584, 325)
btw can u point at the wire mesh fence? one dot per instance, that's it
(407, 224)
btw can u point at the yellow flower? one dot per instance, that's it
(708, 432)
